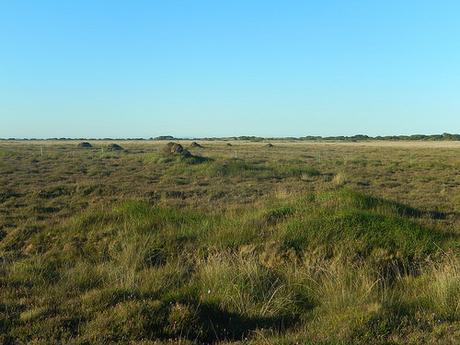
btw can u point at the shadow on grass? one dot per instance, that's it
(370, 202)
(219, 325)
(198, 159)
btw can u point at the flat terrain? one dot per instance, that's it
(301, 242)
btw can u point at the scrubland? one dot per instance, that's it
(298, 243)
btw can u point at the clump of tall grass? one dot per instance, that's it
(242, 285)
(436, 289)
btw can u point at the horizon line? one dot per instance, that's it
(442, 136)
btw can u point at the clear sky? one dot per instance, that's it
(93, 68)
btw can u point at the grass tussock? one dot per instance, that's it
(325, 267)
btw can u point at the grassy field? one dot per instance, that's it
(298, 243)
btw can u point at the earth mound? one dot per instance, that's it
(196, 145)
(85, 145)
(176, 149)
(114, 147)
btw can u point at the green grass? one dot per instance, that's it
(240, 168)
(276, 246)
(138, 271)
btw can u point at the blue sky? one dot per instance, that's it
(217, 68)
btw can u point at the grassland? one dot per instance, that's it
(299, 243)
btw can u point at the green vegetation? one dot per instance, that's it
(357, 137)
(281, 246)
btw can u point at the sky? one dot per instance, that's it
(93, 68)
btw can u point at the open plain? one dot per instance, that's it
(295, 243)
